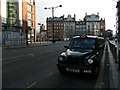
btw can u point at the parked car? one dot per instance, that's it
(82, 55)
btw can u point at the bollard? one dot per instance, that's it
(119, 59)
(113, 50)
(116, 54)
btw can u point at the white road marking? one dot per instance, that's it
(18, 56)
(49, 74)
(31, 85)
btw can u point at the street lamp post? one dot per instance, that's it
(53, 8)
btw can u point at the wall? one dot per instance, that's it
(20, 11)
(0, 18)
(3, 9)
(29, 9)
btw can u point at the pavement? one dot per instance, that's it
(114, 72)
(115, 43)
(36, 44)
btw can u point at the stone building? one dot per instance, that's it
(69, 26)
(92, 24)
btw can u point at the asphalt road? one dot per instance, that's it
(35, 67)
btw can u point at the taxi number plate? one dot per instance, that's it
(72, 70)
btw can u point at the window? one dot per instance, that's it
(84, 43)
(29, 23)
(29, 16)
(29, 8)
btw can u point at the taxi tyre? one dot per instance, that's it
(61, 70)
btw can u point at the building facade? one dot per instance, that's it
(69, 26)
(29, 19)
(15, 21)
(118, 20)
(80, 27)
(55, 27)
(12, 23)
(0, 18)
(0, 26)
(92, 24)
(108, 34)
(102, 27)
(43, 33)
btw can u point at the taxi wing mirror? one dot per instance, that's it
(101, 47)
(66, 47)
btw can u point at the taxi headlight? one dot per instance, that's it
(60, 58)
(90, 61)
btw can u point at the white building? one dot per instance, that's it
(92, 24)
(3, 11)
(69, 26)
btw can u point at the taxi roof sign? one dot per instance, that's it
(83, 36)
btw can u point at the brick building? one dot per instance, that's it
(29, 19)
(58, 26)
(102, 26)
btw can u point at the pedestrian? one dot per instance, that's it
(3, 42)
(116, 40)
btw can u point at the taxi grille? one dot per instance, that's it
(73, 60)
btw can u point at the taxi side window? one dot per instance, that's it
(97, 43)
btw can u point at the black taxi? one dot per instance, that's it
(82, 55)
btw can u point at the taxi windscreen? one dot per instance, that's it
(82, 43)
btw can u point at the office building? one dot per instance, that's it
(18, 22)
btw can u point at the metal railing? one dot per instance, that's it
(13, 39)
(116, 52)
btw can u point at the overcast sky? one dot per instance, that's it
(106, 9)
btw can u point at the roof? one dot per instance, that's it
(86, 35)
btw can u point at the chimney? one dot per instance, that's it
(98, 13)
(74, 16)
